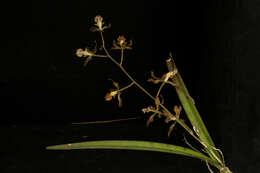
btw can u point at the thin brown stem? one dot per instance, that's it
(186, 141)
(122, 89)
(122, 57)
(101, 56)
(159, 90)
(156, 111)
(107, 121)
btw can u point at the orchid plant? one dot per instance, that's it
(208, 152)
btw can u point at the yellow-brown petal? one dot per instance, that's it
(171, 129)
(108, 97)
(120, 102)
(177, 110)
(150, 120)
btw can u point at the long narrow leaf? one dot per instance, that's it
(191, 110)
(135, 145)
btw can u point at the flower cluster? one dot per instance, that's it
(162, 112)
(171, 117)
(116, 91)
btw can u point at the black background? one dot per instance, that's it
(44, 87)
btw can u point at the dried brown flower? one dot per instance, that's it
(99, 21)
(164, 79)
(99, 24)
(150, 119)
(171, 129)
(155, 110)
(148, 109)
(113, 93)
(121, 43)
(85, 53)
(170, 117)
(110, 95)
(121, 40)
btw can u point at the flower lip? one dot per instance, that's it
(84, 53)
(121, 40)
(98, 18)
(79, 52)
(99, 22)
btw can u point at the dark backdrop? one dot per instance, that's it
(44, 87)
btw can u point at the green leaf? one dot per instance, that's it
(135, 145)
(192, 112)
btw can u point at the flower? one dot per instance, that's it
(177, 110)
(155, 110)
(121, 40)
(85, 53)
(148, 109)
(164, 79)
(113, 93)
(121, 43)
(79, 52)
(99, 23)
(170, 117)
(110, 95)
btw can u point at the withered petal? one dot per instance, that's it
(108, 97)
(94, 29)
(177, 110)
(171, 129)
(116, 84)
(120, 102)
(150, 119)
(106, 27)
(155, 81)
(153, 76)
(87, 60)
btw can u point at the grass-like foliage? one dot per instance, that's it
(208, 152)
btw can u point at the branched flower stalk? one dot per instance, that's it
(210, 154)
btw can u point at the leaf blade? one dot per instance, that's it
(135, 145)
